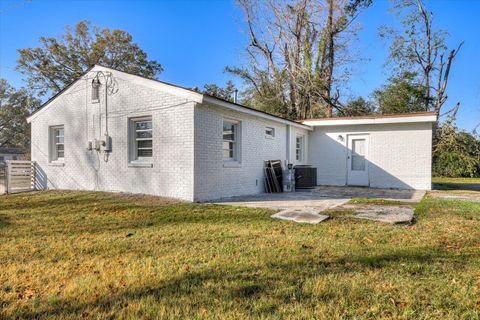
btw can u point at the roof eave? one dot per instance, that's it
(239, 108)
(393, 120)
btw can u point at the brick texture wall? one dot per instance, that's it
(215, 179)
(399, 155)
(171, 174)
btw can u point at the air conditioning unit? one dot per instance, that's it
(305, 177)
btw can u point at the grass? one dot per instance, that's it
(70, 255)
(382, 202)
(455, 180)
(456, 184)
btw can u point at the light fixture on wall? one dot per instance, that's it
(340, 137)
(96, 90)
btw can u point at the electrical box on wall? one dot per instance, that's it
(96, 144)
(89, 145)
(106, 144)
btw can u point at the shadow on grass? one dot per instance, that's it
(279, 282)
(456, 186)
(4, 221)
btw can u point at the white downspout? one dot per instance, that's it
(289, 130)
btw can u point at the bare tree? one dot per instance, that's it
(295, 54)
(422, 49)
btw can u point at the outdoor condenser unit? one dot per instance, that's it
(305, 177)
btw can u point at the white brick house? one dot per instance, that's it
(156, 138)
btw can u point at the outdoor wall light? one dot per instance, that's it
(340, 137)
(96, 90)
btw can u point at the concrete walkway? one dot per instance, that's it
(320, 198)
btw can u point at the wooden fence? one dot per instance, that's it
(20, 176)
(3, 177)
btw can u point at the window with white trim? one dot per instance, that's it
(141, 139)
(299, 148)
(269, 132)
(231, 130)
(57, 143)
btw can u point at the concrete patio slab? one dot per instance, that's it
(300, 216)
(319, 199)
(389, 214)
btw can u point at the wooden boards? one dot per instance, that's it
(273, 176)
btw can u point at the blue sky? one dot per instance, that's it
(195, 40)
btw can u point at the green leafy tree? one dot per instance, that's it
(357, 107)
(59, 61)
(15, 107)
(402, 94)
(456, 153)
(226, 93)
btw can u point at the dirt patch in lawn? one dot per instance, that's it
(468, 196)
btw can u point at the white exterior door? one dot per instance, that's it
(357, 160)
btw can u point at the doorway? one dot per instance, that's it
(357, 162)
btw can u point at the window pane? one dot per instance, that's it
(226, 145)
(229, 137)
(228, 150)
(143, 125)
(228, 127)
(228, 131)
(270, 132)
(144, 152)
(358, 146)
(358, 163)
(144, 134)
(59, 132)
(59, 147)
(59, 139)
(144, 144)
(60, 154)
(358, 155)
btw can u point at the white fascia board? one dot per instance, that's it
(153, 84)
(44, 107)
(234, 107)
(149, 83)
(339, 122)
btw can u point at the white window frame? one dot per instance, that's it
(299, 148)
(236, 159)
(269, 135)
(54, 152)
(133, 140)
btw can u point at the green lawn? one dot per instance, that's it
(455, 180)
(71, 255)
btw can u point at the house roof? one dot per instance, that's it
(413, 117)
(11, 151)
(191, 94)
(209, 99)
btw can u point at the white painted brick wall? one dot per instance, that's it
(172, 171)
(213, 180)
(187, 146)
(399, 154)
